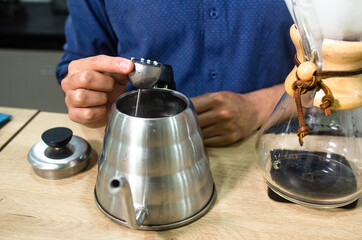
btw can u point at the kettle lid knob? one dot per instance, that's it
(57, 137)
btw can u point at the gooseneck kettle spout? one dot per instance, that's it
(134, 218)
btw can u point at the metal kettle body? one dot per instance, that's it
(153, 170)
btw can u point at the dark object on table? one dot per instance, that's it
(59, 154)
(278, 198)
(4, 118)
(318, 175)
(57, 137)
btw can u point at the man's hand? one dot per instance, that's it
(92, 85)
(226, 117)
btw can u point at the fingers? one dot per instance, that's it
(102, 63)
(88, 80)
(206, 119)
(202, 103)
(87, 107)
(213, 137)
(91, 117)
(218, 129)
(91, 84)
(219, 140)
(216, 141)
(210, 132)
(120, 79)
(85, 98)
(219, 116)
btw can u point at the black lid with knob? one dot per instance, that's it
(57, 137)
(59, 154)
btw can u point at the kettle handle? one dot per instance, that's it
(119, 186)
(166, 79)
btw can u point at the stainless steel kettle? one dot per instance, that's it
(154, 171)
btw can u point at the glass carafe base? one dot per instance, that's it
(312, 178)
(276, 197)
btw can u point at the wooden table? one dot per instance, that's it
(36, 208)
(19, 118)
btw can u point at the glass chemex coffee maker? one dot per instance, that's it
(310, 148)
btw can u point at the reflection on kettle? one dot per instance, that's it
(153, 170)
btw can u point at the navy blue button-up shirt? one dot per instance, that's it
(212, 45)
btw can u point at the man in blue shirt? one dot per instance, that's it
(229, 57)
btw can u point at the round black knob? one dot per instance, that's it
(57, 137)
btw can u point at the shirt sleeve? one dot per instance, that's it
(88, 33)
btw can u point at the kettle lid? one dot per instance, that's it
(59, 154)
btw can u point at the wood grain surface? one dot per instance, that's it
(19, 118)
(36, 208)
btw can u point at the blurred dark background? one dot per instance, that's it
(31, 42)
(32, 24)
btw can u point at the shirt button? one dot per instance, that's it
(214, 13)
(213, 75)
